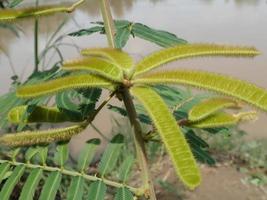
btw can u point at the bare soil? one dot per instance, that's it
(223, 182)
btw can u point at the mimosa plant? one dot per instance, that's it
(115, 70)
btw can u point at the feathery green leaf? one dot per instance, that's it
(171, 135)
(30, 153)
(188, 51)
(12, 14)
(209, 107)
(221, 119)
(123, 194)
(37, 114)
(87, 154)
(118, 57)
(3, 169)
(159, 37)
(126, 167)
(51, 186)
(11, 182)
(75, 191)
(111, 155)
(60, 84)
(215, 82)
(122, 36)
(31, 184)
(97, 191)
(40, 137)
(96, 66)
(62, 153)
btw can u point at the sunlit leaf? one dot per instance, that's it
(164, 56)
(215, 82)
(171, 135)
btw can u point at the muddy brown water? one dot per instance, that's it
(239, 22)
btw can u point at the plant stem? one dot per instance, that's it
(36, 48)
(139, 144)
(108, 22)
(67, 172)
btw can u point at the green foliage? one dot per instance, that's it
(123, 194)
(171, 136)
(52, 173)
(126, 28)
(78, 104)
(13, 179)
(28, 138)
(215, 82)
(174, 114)
(110, 156)
(221, 119)
(61, 84)
(95, 66)
(97, 191)
(13, 14)
(31, 184)
(51, 186)
(32, 114)
(164, 56)
(87, 154)
(119, 58)
(209, 107)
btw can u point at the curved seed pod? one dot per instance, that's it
(223, 119)
(209, 107)
(13, 14)
(61, 84)
(171, 135)
(29, 138)
(226, 85)
(96, 66)
(38, 114)
(191, 50)
(117, 56)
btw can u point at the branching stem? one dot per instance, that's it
(139, 144)
(136, 191)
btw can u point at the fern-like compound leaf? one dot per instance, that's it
(111, 155)
(221, 119)
(188, 51)
(76, 188)
(62, 153)
(3, 170)
(97, 191)
(209, 107)
(87, 154)
(28, 138)
(31, 184)
(11, 182)
(36, 114)
(171, 135)
(99, 66)
(226, 85)
(123, 194)
(126, 167)
(60, 84)
(51, 186)
(118, 57)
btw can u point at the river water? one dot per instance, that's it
(238, 22)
